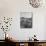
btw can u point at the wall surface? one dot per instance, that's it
(12, 8)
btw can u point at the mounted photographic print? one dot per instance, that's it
(26, 19)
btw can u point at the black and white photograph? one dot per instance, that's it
(26, 19)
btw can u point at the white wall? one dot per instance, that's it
(12, 8)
